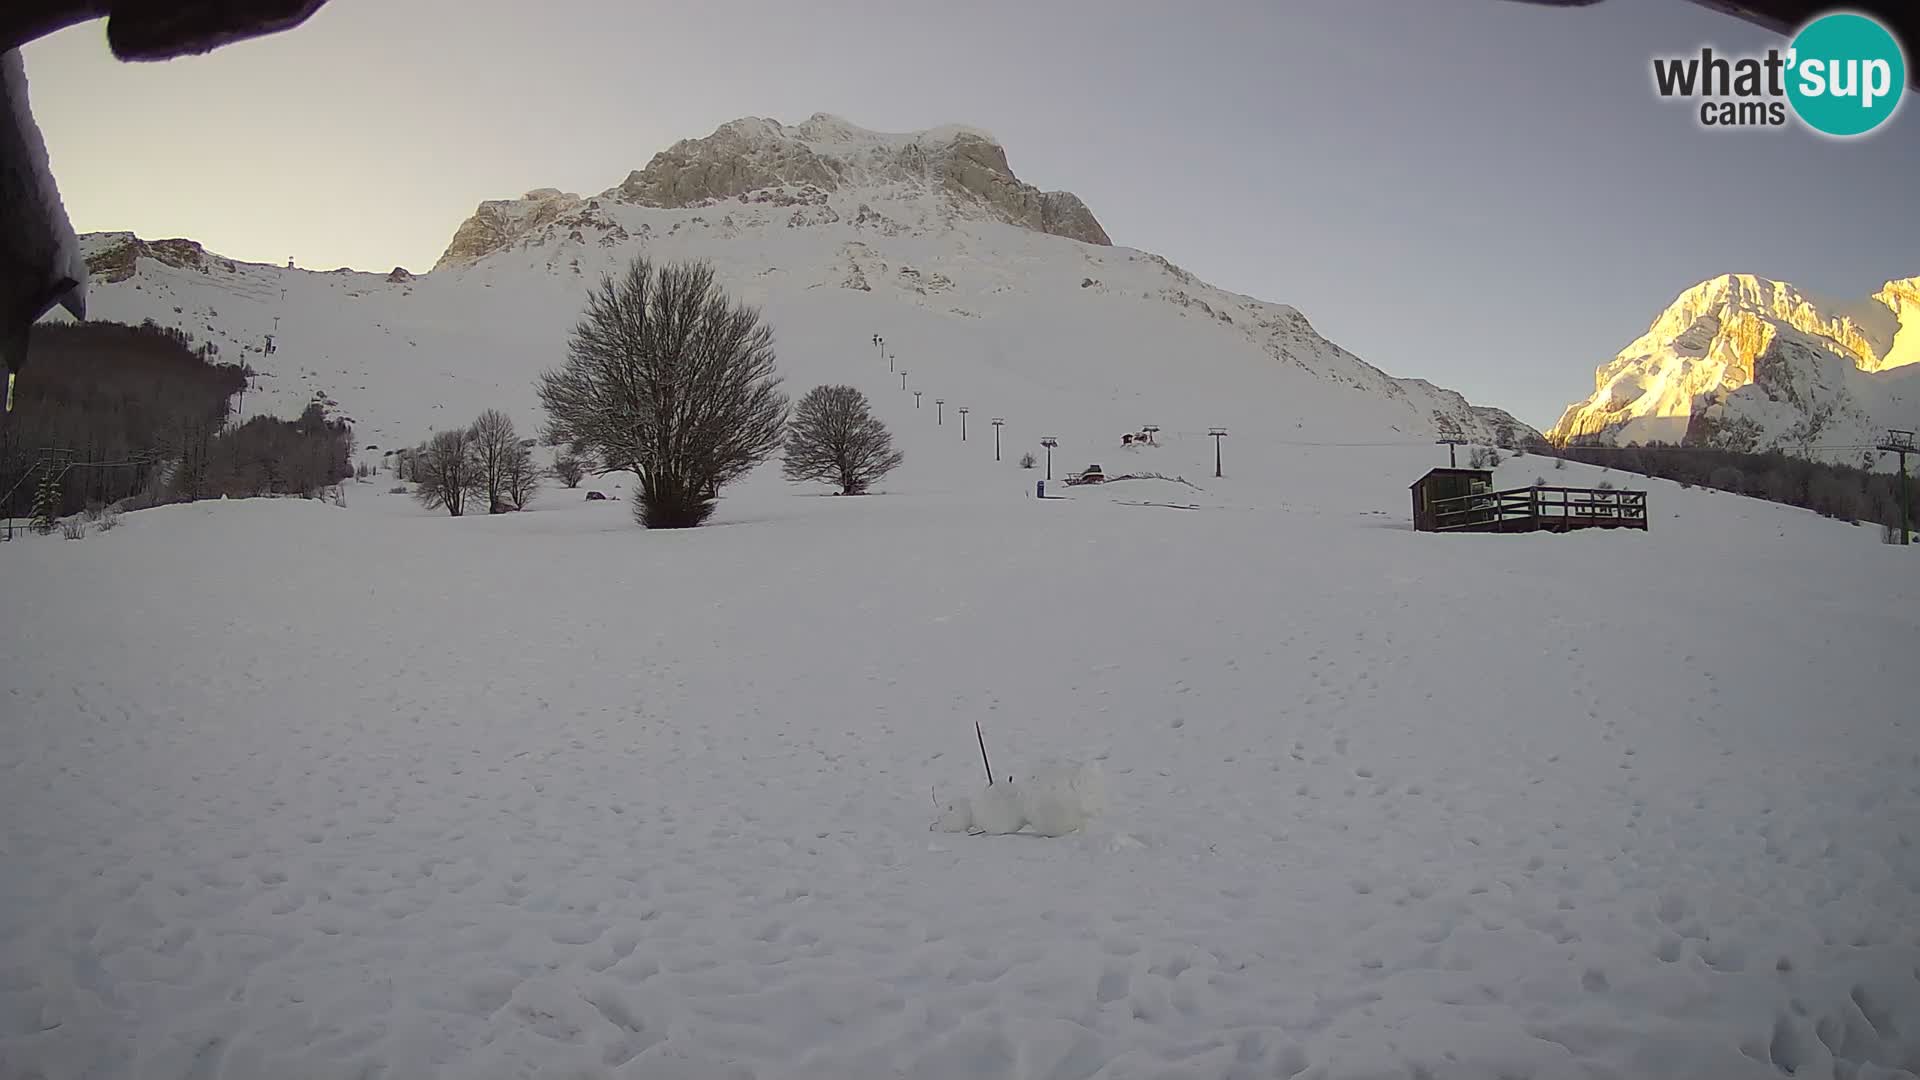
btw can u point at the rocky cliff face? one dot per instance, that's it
(1902, 298)
(822, 161)
(1755, 364)
(499, 222)
(828, 154)
(112, 257)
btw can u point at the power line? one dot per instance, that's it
(110, 464)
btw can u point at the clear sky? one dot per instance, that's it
(1484, 194)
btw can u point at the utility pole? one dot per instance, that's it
(890, 366)
(997, 421)
(903, 378)
(963, 423)
(1153, 431)
(939, 412)
(54, 463)
(1216, 434)
(1901, 442)
(916, 399)
(1049, 442)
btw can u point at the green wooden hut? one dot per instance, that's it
(1445, 484)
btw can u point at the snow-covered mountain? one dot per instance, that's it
(1754, 364)
(989, 291)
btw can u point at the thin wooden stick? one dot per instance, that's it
(983, 751)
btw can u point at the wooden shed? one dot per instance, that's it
(1445, 484)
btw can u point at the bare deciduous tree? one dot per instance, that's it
(569, 469)
(494, 445)
(445, 471)
(835, 438)
(668, 378)
(520, 479)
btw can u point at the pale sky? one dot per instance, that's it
(1483, 194)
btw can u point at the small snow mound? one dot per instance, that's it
(956, 816)
(1054, 800)
(999, 810)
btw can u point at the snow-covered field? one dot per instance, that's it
(291, 790)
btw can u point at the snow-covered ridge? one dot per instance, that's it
(1027, 322)
(1757, 364)
(828, 134)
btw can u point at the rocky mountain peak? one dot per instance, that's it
(813, 161)
(1864, 330)
(1902, 297)
(829, 154)
(1757, 364)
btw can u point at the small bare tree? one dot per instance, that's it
(569, 469)
(494, 445)
(519, 477)
(835, 438)
(668, 378)
(445, 471)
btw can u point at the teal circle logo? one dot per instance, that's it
(1846, 74)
